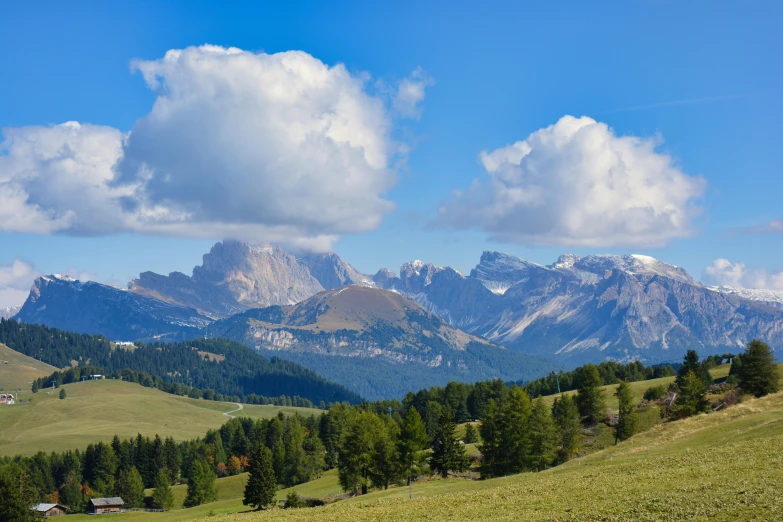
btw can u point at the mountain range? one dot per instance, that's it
(318, 310)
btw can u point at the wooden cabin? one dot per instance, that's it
(50, 510)
(100, 506)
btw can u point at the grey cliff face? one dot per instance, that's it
(596, 308)
(90, 307)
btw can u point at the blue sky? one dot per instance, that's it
(700, 79)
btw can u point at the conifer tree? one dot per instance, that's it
(294, 461)
(385, 459)
(163, 497)
(542, 435)
(448, 452)
(62, 394)
(590, 397)
(16, 495)
(566, 417)
(261, 484)
(355, 461)
(275, 443)
(315, 455)
(628, 421)
(131, 488)
(413, 439)
(758, 373)
(470, 434)
(691, 396)
(515, 432)
(490, 429)
(201, 485)
(691, 363)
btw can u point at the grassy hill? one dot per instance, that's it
(97, 410)
(723, 466)
(19, 371)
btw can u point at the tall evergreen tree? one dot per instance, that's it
(131, 488)
(542, 435)
(758, 374)
(471, 436)
(448, 452)
(515, 432)
(315, 455)
(413, 439)
(16, 495)
(590, 397)
(691, 396)
(355, 462)
(294, 463)
(173, 459)
(567, 419)
(491, 440)
(628, 421)
(261, 485)
(690, 363)
(385, 459)
(276, 444)
(163, 497)
(201, 485)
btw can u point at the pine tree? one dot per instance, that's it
(315, 455)
(542, 435)
(16, 495)
(163, 497)
(590, 397)
(758, 373)
(131, 488)
(628, 420)
(490, 447)
(274, 441)
(514, 447)
(448, 452)
(471, 436)
(691, 363)
(566, 417)
(294, 462)
(62, 393)
(261, 484)
(413, 439)
(385, 459)
(355, 461)
(201, 485)
(691, 396)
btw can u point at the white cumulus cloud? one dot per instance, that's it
(723, 272)
(577, 183)
(278, 147)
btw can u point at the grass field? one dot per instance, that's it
(97, 410)
(19, 371)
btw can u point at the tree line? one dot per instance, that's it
(79, 373)
(227, 367)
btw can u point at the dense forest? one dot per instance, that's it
(226, 367)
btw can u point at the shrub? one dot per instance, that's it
(655, 393)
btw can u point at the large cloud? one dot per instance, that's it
(577, 183)
(275, 147)
(723, 272)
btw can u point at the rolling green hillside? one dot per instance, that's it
(97, 410)
(723, 466)
(18, 371)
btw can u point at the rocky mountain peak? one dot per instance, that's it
(417, 274)
(332, 272)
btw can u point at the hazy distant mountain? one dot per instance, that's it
(591, 308)
(236, 276)
(376, 342)
(9, 311)
(62, 302)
